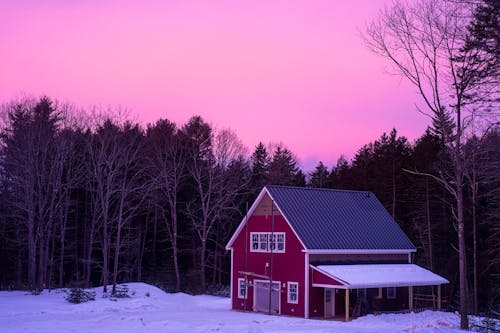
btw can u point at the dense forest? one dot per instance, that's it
(93, 198)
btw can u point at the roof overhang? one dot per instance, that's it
(245, 218)
(378, 276)
(361, 251)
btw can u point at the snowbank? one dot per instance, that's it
(149, 309)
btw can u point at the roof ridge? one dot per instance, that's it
(318, 189)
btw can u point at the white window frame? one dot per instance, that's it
(264, 242)
(240, 282)
(289, 292)
(379, 293)
(254, 240)
(388, 294)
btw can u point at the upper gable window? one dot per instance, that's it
(267, 242)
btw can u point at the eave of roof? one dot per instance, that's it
(379, 275)
(360, 251)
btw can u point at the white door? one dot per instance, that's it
(263, 302)
(329, 302)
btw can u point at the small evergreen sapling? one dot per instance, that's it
(79, 295)
(121, 291)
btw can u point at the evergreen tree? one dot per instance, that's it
(320, 176)
(260, 161)
(284, 169)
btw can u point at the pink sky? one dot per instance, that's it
(295, 72)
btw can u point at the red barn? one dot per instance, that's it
(317, 252)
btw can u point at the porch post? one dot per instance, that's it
(410, 298)
(347, 305)
(439, 297)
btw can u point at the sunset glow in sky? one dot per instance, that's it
(295, 72)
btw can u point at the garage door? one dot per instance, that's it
(265, 302)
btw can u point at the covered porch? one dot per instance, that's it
(347, 289)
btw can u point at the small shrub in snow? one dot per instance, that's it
(484, 324)
(36, 292)
(147, 294)
(218, 290)
(121, 291)
(78, 295)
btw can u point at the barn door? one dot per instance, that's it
(261, 297)
(329, 303)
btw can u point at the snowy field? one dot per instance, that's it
(149, 309)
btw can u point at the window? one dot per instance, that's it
(391, 293)
(242, 288)
(263, 242)
(293, 292)
(255, 242)
(281, 241)
(379, 293)
(362, 293)
(267, 242)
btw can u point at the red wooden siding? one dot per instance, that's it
(316, 299)
(320, 278)
(287, 266)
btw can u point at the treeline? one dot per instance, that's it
(94, 199)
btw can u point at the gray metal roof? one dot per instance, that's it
(326, 219)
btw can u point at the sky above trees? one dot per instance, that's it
(293, 72)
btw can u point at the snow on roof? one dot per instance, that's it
(383, 275)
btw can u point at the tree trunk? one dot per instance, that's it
(428, 218)
(393, 188)
(61, 254)
(105, 256)
(203, 265)
(117, 255)
(51, 264)
(474, 188)
(31, 254)
(176, 268)
(464, 322)
(41, 261)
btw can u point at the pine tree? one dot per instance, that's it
(260, 167)
(320, 176)
(284, 169)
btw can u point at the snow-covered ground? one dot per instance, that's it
(149, 309)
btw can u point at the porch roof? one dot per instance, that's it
(379, 275)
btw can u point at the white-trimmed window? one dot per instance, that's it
(263, 242)
(242, 288)
(255, 242)
(280, 241)
(379, 293)
(391, 292)
(293, 292)
(267, 242)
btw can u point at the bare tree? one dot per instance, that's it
(118, 187)
(209, 158)
(168, 160)
(424, 41)
(32, 174)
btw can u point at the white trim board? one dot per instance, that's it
(361, 251)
